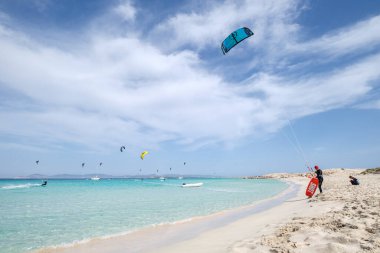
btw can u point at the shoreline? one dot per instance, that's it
(344, 218)
(180, 230)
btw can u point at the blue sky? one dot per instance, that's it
(78, 79)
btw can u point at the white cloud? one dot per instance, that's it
(295, 98)
(268, 20)
(123, 89)
(41, 5)
(278, 37)
(355, 39)
(369, 105)
(118, 81)
(126, 11)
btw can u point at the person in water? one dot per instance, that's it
(354, 180)
(44, 183)
(319, 173)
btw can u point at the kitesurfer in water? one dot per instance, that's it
(44, 183)
(354, 180)
(319, 173)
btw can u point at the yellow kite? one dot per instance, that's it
(143, 154)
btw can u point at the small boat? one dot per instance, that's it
(191, 185)
(180, 177)
(162, 178)
(96, 178)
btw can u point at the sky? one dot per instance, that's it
(79, 79)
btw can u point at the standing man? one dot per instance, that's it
(318, 171)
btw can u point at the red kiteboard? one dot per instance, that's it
(312, 187)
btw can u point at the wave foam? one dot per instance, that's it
(19, 186)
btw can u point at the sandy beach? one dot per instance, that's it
(344, 218)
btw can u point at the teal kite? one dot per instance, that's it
(235, 38)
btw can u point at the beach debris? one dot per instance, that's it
(235, 38)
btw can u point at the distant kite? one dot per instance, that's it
(83, 165)
(143, 154)
(122, 148)
(37, 162)
(235, 38)
(100, 164)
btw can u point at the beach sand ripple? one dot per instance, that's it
(352, 226)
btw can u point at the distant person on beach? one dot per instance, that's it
(354, 180)
(318, 171)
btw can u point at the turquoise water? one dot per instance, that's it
(66, 211)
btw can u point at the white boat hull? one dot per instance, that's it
(192, 185)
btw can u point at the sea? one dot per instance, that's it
(70, 211)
